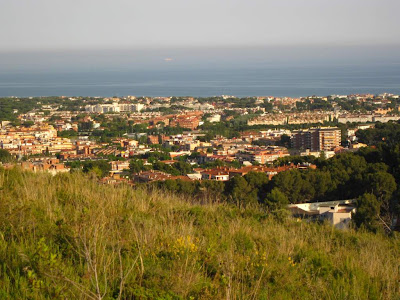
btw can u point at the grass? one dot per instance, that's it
(67, 237)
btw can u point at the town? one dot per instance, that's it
(142, 139)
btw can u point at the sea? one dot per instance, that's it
(206, 81)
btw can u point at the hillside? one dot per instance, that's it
(67, 237)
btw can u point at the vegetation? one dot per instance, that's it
(5, 156)
(11, 107)
(100, 168)
(67, 237)
(372, 175)
(345, 176)
(316, 104)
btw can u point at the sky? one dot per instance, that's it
(58, 32)
(85, 24)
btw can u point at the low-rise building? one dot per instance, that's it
(51, 165)
(219, 174)
(119, 166)
(261, 155)
(338, 213)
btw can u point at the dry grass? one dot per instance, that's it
(68, 237)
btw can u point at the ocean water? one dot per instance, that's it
(292, 81)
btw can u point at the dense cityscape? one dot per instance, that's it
(224, 130)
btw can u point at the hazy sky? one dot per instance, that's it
(27, 25)
(115, 35)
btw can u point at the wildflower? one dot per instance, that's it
(291, 262)
(184, 245)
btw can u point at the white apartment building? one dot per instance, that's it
(114, 107)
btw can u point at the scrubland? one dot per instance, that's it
(68, 237)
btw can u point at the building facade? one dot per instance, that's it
(316, 139)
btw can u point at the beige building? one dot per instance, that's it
(316, 139)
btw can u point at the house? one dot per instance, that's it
(219, 174)
(119, 166)
(261, 155)
(338, 213)
(194, 176)
(51, 165)
(152, 175)
(153, 139)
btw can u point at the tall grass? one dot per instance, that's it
(67, 237)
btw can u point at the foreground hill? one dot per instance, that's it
(67, 237)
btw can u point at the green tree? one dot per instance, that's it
(96, 171)
(137, 165)
(160, 166)
(183, 167)
(256, 180)
(276, 199)
(28, 123)
(186, 187)
(5, 156)
(213, 188)
(240, 192)
(322, 184)
(347, 174)
(292, 184)
(100, 167)
(382, 185)
(367, 212)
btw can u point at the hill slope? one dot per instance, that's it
(67, 237)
